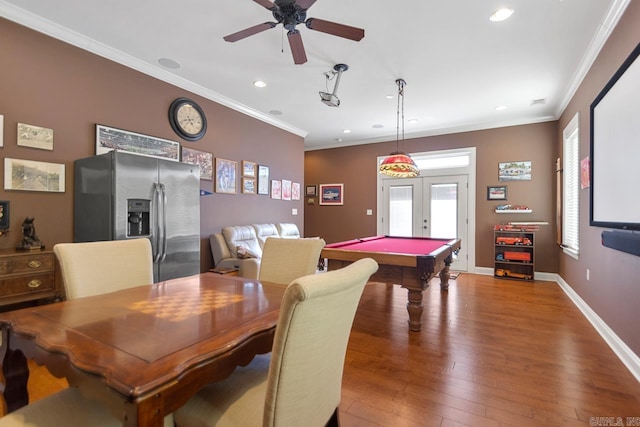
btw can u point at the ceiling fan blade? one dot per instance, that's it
(249, 31)
(297, 48)
(335, 29)
(305, 4)
(266, 4)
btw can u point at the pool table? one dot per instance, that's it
(408, 261)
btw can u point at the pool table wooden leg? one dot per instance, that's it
(444, 277)
(415, 308)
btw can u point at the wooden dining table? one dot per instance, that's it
(142, 351)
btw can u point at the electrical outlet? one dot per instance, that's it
(587, 274)
(369, 211)
(294, 211)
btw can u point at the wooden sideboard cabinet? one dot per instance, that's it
(27, 276)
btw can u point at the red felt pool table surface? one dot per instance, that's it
(396, 245)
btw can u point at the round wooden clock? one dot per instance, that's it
(187, 119)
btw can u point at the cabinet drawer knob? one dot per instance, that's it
(34, 283)
(35, 264)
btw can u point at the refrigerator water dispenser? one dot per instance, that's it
(138, 217)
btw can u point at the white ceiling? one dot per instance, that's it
(457, 64)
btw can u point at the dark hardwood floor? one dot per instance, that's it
(492, 352)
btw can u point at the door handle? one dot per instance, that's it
(156, 239)
(164, 222)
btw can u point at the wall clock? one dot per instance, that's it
(187, 119)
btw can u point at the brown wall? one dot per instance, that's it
(613, 290)
(356, 167)
(48, 83)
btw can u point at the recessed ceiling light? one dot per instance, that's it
(501, 14)
(389, 96)
(377, 126)
(412, 121)
(346, 131)
(168, 63)
(259, 83)
(501, 107)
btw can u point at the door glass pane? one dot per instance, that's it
(401, 210)
(444, 210)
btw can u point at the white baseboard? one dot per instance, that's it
(624, 353)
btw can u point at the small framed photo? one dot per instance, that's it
(204, 160)
(263, 180)
(295, 191)
(249, 169)
(276, 189)
(248, 185)
(4, 214)
(35, 137)
(226, 172)
(497, 192)
(286, 189)
(331, 194)
(311, 191)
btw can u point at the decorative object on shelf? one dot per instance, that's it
(263, 180)
(29, 175)
(201, 158)
(30, 240)
(514, 248)
(286, 189)
(399, 164)
(4, 214)
(331, 194)
(311, 191)
(108, 139)
(249, 169)
(35, 137)
(187, 119)
(512, 209)
(226, 171)
(514, 171)
(497, 192)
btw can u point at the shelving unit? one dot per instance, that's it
(514, 254)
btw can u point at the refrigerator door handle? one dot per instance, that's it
(163, 196)
(156, 238)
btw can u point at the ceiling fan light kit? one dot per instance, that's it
(290, 13)
(399, 164)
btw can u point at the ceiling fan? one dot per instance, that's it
(290, 13)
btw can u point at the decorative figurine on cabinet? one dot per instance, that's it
(30, 240)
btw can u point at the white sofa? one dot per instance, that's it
(240, 246)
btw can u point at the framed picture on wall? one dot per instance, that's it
(295, 191)
(4, 214)
(248, 185)
(497, 192)
(286, 189)
(204, 160)
(276, 189)
(263, 179)
(226, 173)
(248, 169)
(30, 175)
(331, 194)
(311, 190)
(108, 139)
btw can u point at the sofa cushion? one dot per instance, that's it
(242, 235)
(288, 231)
(263, 231)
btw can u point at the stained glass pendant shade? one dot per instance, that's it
(399, 164)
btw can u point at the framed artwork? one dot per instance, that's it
(226, 172)
(201, 158)
(35, 137)
(276, 189)
(514, 171)
(331, 194)
(286, 189)
(249, 169)
(311, 191)
(263, 180)
(248, 185)
(497, 192)
(1, 130)
(29, 175)
(108, 139)
(4, 214)
(295, 191)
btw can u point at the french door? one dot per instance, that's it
(430, 206)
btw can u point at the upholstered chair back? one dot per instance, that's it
(94, 268)
(264, 231)
(284, 260)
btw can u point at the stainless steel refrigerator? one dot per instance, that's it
(124, 196)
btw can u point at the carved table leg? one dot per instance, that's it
(415, 308)
(444, 277)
